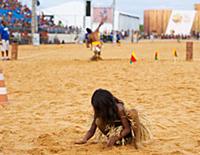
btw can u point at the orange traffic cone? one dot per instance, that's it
(3, 90)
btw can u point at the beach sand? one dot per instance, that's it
(50, 88)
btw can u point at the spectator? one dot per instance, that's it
(5, 36)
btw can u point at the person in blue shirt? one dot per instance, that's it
(5, 36)
(118, 37)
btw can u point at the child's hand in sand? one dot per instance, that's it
(111, 141)
(81, 142)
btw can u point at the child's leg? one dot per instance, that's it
(99, 56)
(6, 53)
(99, 52)
(96, 54)
(94, 57)
(2, 54)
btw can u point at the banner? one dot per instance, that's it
(102, 12)
(180, 22)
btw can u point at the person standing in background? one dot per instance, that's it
(5, 36)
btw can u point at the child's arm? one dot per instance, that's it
(101, 23)
(89, 134)
(125, 124)
(97, 30)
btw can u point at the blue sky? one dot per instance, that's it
(135, 7)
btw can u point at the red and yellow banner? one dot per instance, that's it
(100, 13)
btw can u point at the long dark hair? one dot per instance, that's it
(88, 30)
(104, 104)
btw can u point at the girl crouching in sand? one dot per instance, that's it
(115, 122)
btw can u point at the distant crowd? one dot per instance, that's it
(46, 23)
(172, 36)
(17, 16)
(136, 36)
(109, 36)
(18, 19)
(15, 5)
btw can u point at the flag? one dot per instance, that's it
(133, 58)
(175, 53)
(156, 55)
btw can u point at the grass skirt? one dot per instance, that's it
(145, 132)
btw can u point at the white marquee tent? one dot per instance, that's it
(73, 13)
(70, 13)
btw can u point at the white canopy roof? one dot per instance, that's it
(70, 13)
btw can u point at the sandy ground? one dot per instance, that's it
(50, 88)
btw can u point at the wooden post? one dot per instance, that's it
(14, 51)
(189, 51)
